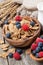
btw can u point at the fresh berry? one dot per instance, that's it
(10, 55)
(40, 44)
(25, 27)
(18, 18)
(33, 52)
(17, 56)
(39, 40)
(42, 48)
(37, 55)
(6, 22)
(41, 54)
(19, 51)
(17, 23)
(8, 35)
(32, 23)
(38, 49)
(18, 26)
(33, 47)
(41, 36)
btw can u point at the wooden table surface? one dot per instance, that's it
(26, 60)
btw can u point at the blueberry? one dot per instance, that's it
(6, 22)
(40, 44)
(37, 55)
(34, 52)
(41, 36)
(38, 49)
(42, 48)
(17, 23)
(10, 55)
(32, 23)
(8, 35)
(18, 26)
(19, 51)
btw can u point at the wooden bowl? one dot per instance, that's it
(24, 42)
(36, 59)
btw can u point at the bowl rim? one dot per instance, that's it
(26, 39)
(34, 58)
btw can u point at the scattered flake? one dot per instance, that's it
(1, 41)
(4, 46)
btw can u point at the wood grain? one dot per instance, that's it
(26, 60)
(2, 61)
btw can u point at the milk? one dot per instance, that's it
(40, 12)
(31, 3)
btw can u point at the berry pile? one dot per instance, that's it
(16, 55)
(37, 47)
(24, 27)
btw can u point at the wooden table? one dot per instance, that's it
(26, 60)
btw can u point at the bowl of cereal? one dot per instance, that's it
(21, 31)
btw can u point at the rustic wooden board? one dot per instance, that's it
(26, 60)
(15, 62)
(2, 60)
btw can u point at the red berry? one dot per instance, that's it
(17, 56)
(25, 27)
(33, 47)
(41, 54)
(39, 40)
(18, 18)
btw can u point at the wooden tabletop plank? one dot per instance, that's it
(28, 61)
(12, 61)
(24, 60)
(2, 60)
(15, 62)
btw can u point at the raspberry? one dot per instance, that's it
(17, 56)
(39, 40)
(25, 27)
(18, 18)
(41, 54)
(33, 47)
